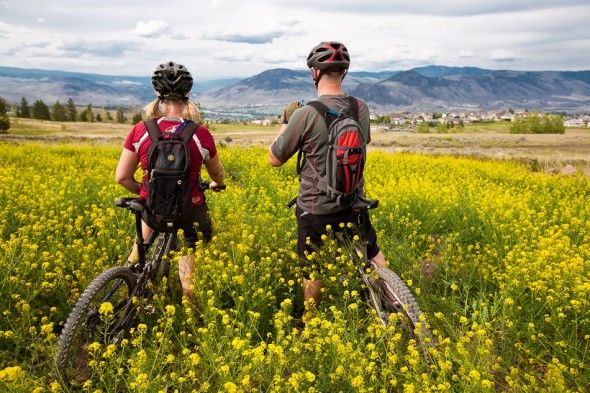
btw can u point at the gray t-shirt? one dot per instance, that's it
(307, 131)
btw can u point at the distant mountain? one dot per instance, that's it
(84, 89)
(432, 88)
(99, 90)
(278, 86)
(466, 89)
(439, 71)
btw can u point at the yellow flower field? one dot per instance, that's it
(497, 256)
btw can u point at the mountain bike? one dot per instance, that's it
(384, 291)
(109, 306)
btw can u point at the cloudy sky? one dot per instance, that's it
(240, 38)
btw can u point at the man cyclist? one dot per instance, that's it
(304, 129)
(172, 83)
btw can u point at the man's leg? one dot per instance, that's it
(379, 259)
(186, 264)
(312, 290)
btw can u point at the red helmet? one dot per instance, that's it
(172, 81)
(331, 54)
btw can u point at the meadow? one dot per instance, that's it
(497, 254)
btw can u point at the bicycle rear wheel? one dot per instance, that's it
(88, 323)
(388, 295)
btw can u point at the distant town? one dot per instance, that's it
(407, 120)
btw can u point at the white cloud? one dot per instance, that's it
(151, 28)
(502, 55)
(465, 54)
(227, 38)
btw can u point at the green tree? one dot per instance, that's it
(519, 126)
(136, 118)
(534, 123)
(40, 110)
(98, 117)
(71, 111)
(4, 124)
(87, 114)
(108, 116)
(90, 112)
(3, 107)
(4, 120)
(441, 128)
(58, 112)
(23, 110)
(121, 116)
(423, 128)
(557, 124)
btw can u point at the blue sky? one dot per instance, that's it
(231, 38)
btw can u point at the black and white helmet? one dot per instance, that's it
(172, 81)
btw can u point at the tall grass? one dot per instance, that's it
(498, 258)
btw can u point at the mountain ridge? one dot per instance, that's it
(430, 88)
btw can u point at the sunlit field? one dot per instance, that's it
(497, 255)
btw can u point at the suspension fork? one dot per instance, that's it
(362, 242)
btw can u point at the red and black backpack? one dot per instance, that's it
(346, 152)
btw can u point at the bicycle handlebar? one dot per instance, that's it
(136, 204)
(361, 203)
(204, 185)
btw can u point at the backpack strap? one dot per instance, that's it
(323, 110)
(153, 129)
(188, 130)
(353, 107)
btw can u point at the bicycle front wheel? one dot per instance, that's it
(390, 295)
(102, 314)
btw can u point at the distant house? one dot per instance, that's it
(383, 127)
(507, 116)
(574, 123)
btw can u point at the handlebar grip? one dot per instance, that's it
(138, 207)
(292, 202)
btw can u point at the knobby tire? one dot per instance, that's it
(405, 303)
(85, 325)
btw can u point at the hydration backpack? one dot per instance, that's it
(169, 200)
(346, 152)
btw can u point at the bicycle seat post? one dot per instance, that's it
(139, 241)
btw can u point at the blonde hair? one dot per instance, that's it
(191, 111)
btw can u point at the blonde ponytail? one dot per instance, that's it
(191, 111)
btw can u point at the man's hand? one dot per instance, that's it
(289, 109)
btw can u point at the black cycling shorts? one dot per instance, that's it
(201, 223)
(313, 226)
(198, 222)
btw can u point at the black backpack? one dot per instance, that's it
(169, 200)
(346, 152)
